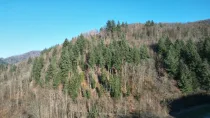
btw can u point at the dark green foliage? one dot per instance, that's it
(144, 52)
(65, 64)
(149, 23)
(82, 63)
(204, 48)
(76, 50)
(114, 55)
(172, 61)
(91, 58)
(119, 29)
(81, 44)
(110, 26)
(74, 85)
(36, 70)
(186, 63)
(103, 80)
(190, 55)
(51, 71)
(115, 84)
(108, 58)
(66, 43)
(163, 46)
(88, 94)
(204, 75)
(99, 58)
(185, 81)
(73, 61)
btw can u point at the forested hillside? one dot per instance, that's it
(2, 61)
(123, 70)
(22, 57)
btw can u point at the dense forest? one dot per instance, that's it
(123, 70)
(186, 62)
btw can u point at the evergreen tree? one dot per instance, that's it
(162, 49)
(65, 64)
(91, 58)
(81, 44)
(51, 71)
(191, 56)
(37, 68)
(116, 59)
(76, 50)
(144, 52)
(73, 61)
(172, 61)
(129, 55)
(66, 43)
(75, 84)
(108, 58)
(115, 84)
(204, 75)
(206, 49)
(185, 81)
(109, 25)
(118, 28)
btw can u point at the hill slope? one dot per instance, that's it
(2, 61)
(22, 57)
(122, 71)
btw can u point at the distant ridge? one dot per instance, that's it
(22, 57)
(2, 61)
(204, 21)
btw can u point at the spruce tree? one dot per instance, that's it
(172, 61)
(185, 81)
(144, 52)
(66, 43)
(51, 71)
(204, 75)
(64, 64)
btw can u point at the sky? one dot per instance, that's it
(27, 25)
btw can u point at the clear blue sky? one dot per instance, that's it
(27, 25)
